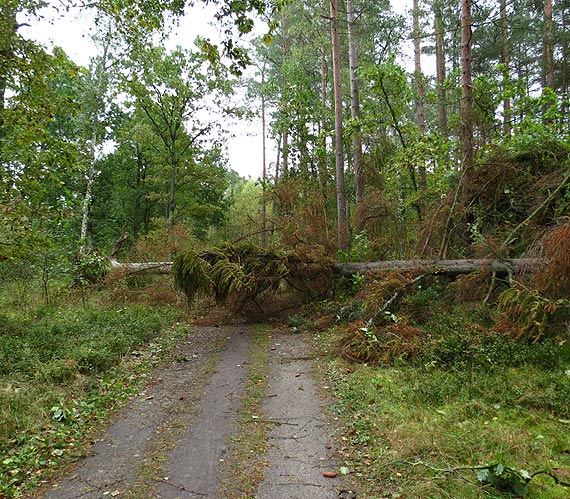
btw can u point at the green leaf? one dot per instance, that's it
(483, 476)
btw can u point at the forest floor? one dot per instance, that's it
(234, 412)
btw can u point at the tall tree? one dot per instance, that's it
(440, 67)
(420, 89)
(173, 91)
(263, 239)
(548, 46)
(466, 104)
(92, 123)
(506, 61)
(342, 226)
(355, 113)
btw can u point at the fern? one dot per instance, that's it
(192, 274)
(529, 311)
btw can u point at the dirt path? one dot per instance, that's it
(170, 442)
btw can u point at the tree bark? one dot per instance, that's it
(466, 104)
(342, 228)
(506, 60)
(564, 72)
(98, 105)
(440, 69)
(8, 37)
(355, 113)
(421, 93)
(440, 267)
(432, 267)
(263, 236)
(146, 267)
(548, 46)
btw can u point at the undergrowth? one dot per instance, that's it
(63, 371)
(449, 405)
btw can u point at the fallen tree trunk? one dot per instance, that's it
(147, 267)
(434, 267)
(439, 267)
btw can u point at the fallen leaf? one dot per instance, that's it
(344, 470)
(329, 474)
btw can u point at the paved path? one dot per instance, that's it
(169, 442)
(300, 444)
(193, 467)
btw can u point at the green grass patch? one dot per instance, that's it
(64, 371)
(473, 416)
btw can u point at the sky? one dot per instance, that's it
(71, 31)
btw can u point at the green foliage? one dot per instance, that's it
(60, 374)
(91, 268)
(191, 274)
(246, 273)
(505, 479)
(359, 249)
(422, 428)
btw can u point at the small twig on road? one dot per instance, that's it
(274, 421)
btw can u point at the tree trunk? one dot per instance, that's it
(548, 46)
(466, 104)
(323, 164)
(440, 70)
(138, 216)
(8, 36)
(88, 194)
(443, 267)
(285, 152)
(98, 106)
(171, 203)
(506, 60)
(342, 228)
(355, 113)
(434, 267)
(263, 238)
(420, 90)
(285, 133)
(564, 74)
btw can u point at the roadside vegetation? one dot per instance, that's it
(65, 368)
(444, 396)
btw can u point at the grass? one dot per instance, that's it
(462, 419)
(63, 370)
